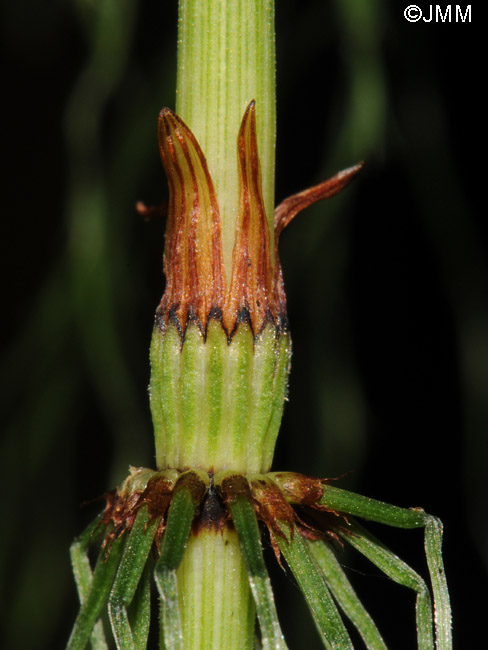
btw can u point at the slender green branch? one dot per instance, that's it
(246, 524)
(140, 613)
(103, 577)
(129, 573)
(327, 619)
(344, 594)
(83, 575)
(366, 508)
(442, 605)
(400, 572)
(180, 516)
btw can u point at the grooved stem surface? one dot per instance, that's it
(226, 58)
(216, 605)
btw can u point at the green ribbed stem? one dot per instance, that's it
(216, 605)
(217, 405)
(226, 58)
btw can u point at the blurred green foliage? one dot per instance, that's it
(387, 285)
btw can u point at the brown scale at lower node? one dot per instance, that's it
(282, 509)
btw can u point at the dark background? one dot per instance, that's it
(387, 284)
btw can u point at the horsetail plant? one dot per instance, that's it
(220, 357)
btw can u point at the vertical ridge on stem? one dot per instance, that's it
(226, 58)
(217, 610)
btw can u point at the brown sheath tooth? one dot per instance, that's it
(196, 290)
(251, 285)
(290, 207)
(193, 263)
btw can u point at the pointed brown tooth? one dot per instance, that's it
(290, 207)
(251, 286)
(193, 263)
